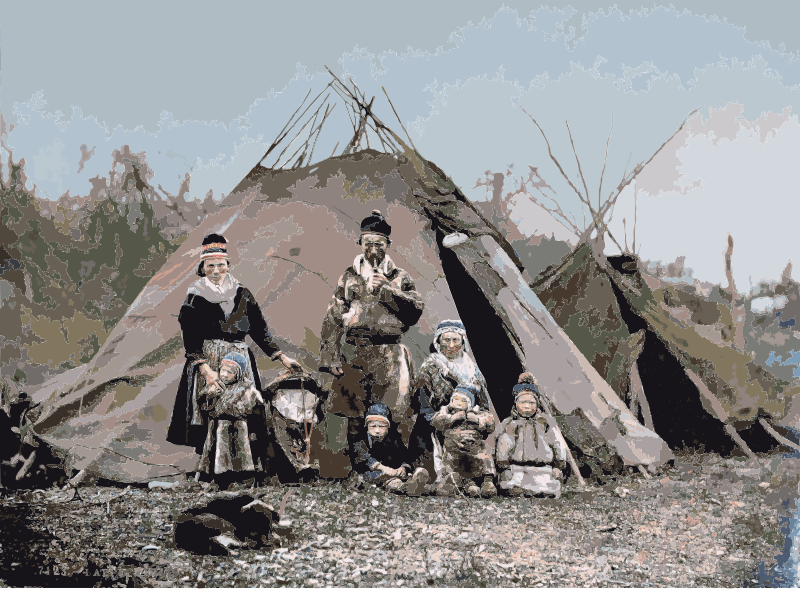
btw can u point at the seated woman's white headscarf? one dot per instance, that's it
(462, 366)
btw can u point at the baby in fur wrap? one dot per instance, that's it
(529, 453)
(465, 456)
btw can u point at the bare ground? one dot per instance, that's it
(707, 521)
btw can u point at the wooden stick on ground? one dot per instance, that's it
(571, 459)
(26, 466)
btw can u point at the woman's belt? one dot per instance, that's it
(373, 340)
(231, 339)
(537, 463)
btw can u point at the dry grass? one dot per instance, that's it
(704, 522)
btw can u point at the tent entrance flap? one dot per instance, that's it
(675, 403)
(532, 338)
(678, 415)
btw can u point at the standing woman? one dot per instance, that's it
(448, 367)
(215, 318)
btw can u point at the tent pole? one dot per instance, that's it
(738, 439)
(571, 459)
(398, 118)
(720, 413)
(641, 398)
(776, 435)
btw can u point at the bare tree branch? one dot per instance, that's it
(299, 161)
(635, 215)
(557, 212)
(560, 169)
(282, 135)
(580, 171)
(614, 195)
(552, 157)
(319, 130)
(278, 138)
(598, 219)
(625, 234)
(737, 305)
(275, 165)
(347, 107)
(605, 159)
(398, 118)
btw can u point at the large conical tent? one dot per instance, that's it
(292, 231)
(694, 380)
(677, 357)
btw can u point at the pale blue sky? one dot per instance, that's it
(202, 86)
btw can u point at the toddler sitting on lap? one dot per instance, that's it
(465, 458)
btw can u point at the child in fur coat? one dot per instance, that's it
(529, 453)
(228, 404)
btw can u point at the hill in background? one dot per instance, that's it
(69, 269)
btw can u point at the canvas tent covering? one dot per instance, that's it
(291, 233)
(694, 377)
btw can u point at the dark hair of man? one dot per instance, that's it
(201, 270)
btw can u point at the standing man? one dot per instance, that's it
(374, 303)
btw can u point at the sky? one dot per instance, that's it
(204, 87)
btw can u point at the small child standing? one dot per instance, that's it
(380, 455)
(227, 404)
(529, 453)
(465, 457)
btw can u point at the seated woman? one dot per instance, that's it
(227, 405)
(380, 455)
(465, 458)
(448, 367)
(529, 454)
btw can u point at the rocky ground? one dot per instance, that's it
(707, 521)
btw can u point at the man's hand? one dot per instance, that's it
(337, 370)
(290, 363)
(379, 280)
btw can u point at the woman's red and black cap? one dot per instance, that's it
(214, 246)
